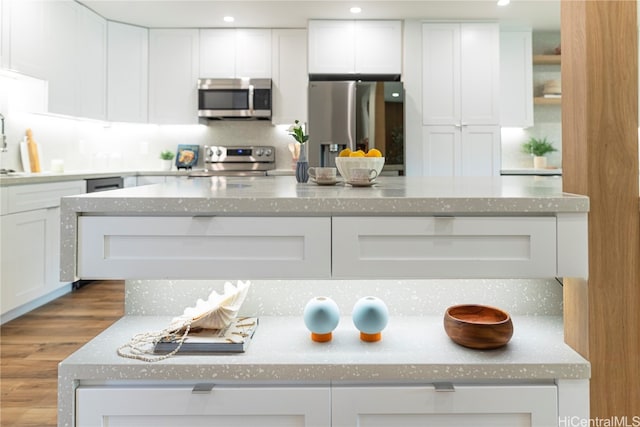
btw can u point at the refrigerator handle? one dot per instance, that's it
(351, 116)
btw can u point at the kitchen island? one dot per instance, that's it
(420, 244)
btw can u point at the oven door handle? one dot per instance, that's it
(251, 91)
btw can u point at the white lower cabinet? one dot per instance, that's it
(450, 150)
(203, 247)
(27, 239)
(317, 406)
(444, 247)
(30, 243)
(467, 405)
(199, 406)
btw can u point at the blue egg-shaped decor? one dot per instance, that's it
(370, 316)
(321, 316)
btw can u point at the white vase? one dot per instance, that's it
(539, 162)
(166, 164)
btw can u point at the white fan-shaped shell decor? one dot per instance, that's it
(217, 311)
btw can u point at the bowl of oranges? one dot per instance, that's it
(348, 160)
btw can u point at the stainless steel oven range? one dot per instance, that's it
(253, 160)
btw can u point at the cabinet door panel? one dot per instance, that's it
(27, 37)
(378, 47)
(62, 59)
(128, 53)
(290, 77)
(253, 53)
(92, 76)
(25, 240)
(480, 151)
(218, 53)
(444, 247)
(223, 406)
(513, 406)
(441, 74)
(331, 47)
(441, 150)
(173, 75)
(203, 247)
(480, 75)
(516, 79)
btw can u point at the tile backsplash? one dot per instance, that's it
(101, 146)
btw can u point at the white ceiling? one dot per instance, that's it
(541, 15)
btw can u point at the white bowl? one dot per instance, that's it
(346, 164)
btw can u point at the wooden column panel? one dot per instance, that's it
(600, 160)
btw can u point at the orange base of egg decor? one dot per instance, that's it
(321, 337)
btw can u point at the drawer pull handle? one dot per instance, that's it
(202, 388)
(444, 387)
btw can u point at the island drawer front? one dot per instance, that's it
(444, 247)
(466, 405)
(222, 406)
(203, 247)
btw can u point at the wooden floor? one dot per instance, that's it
(32, 345)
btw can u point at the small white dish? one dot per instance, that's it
(361, 183)
(325, 182)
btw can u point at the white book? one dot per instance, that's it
(235, 338)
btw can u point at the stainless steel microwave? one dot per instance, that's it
(234, 98)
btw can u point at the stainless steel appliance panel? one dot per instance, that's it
(357, 115)
(234, 98)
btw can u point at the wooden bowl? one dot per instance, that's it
(478, 326)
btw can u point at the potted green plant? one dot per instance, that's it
(166, 158)
(538, 148)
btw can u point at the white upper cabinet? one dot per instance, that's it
(378, 47)
(461, 72)
(331, 47)
(290, 80)
(64, 43)
(92, 65)
(173, 75)
(355, 47)
(23, 28)
(61, 56)
(128, 53)
(516, 80)
(229, 53)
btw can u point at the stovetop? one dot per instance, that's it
(235, 160)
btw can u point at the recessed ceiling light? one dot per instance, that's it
(503, 2)
(228, 19)
(395, 94)
(355, 9)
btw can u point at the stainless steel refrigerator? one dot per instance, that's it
(356, 115)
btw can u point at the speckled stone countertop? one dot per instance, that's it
(282, 195)
(413, 349)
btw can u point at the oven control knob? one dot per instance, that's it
(218, 152)
(259, 152)
(268, 152)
